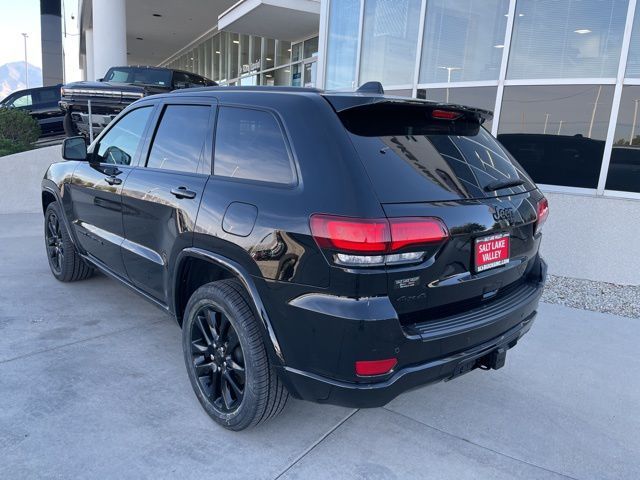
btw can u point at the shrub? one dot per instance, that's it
(18, 131)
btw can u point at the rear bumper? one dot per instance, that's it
(435, 351)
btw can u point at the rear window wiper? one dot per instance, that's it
(499, 184)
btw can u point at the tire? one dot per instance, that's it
(64, 261)
(218, 316)
(70, 128)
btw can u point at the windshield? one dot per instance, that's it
(139, 75)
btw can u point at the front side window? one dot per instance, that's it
(180, 138)
(120, 143)
(568, 39)
(250, 145)
(22, 101)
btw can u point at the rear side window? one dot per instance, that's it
(180, 139)
(48, 95)
(412, 157)
(250, 145)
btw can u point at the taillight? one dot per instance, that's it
(541, 214)
(445, 115)
(351, 234)
(366, 368)
(374, 242)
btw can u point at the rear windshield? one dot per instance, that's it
(413, 158)
(142, 76)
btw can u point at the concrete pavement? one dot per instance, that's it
(92, 385)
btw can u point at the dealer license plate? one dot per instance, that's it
(491, 252)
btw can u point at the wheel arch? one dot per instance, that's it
(196, 267)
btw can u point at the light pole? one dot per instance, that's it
(635, 118)
(26, 65)
(449, 70)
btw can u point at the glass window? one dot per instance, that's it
(22, 101)
(342, 44)
(557, 133)
(180, 138)
(279, 77)
(256, 53)
(216, 58)
(206, 72)
(296, 52)
(480, 97)
(296, 75)
(48, 95)
(389, 41)
(224, 57)
(284, 52)
(624, 167)
(141, 75)
(633, 62)
(119, 145)
(244, 54)
(234, 50)
(311, 47)
(310, 71)
(250, 145)
(463, 40)
(269, 53)
(400, 93)
(568, 39)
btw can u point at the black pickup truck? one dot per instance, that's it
(111, 94)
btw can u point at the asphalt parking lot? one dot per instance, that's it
(92, 385)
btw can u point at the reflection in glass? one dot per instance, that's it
(633, 62)
(342, 44)
(216, 58)
(244, 54)
(234, 50)
(269, 53)
(296, 75)
(296, 52)
(568, 39)
(624, 168)
(480, 97)
(557, 133)
(311, 47)
(283, 56)
(389, 41)
(310, 74)
(463, 40)
(224, 57)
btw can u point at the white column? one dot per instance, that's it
(88, 58)
(109, 35)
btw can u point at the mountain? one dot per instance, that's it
(12, 77)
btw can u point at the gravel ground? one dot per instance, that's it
(603, 297)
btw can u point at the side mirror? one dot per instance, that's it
(74, 148)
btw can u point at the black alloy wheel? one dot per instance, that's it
(226, 357)
(55, 243)
(66, 263)
(217, 359)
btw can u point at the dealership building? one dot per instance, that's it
(562, 77)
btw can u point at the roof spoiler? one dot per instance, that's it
(371, 87)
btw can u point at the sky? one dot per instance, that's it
(23, 16)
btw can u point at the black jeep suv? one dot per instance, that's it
(336, 247)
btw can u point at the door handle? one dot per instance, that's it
(113, 180)
(182, 192)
